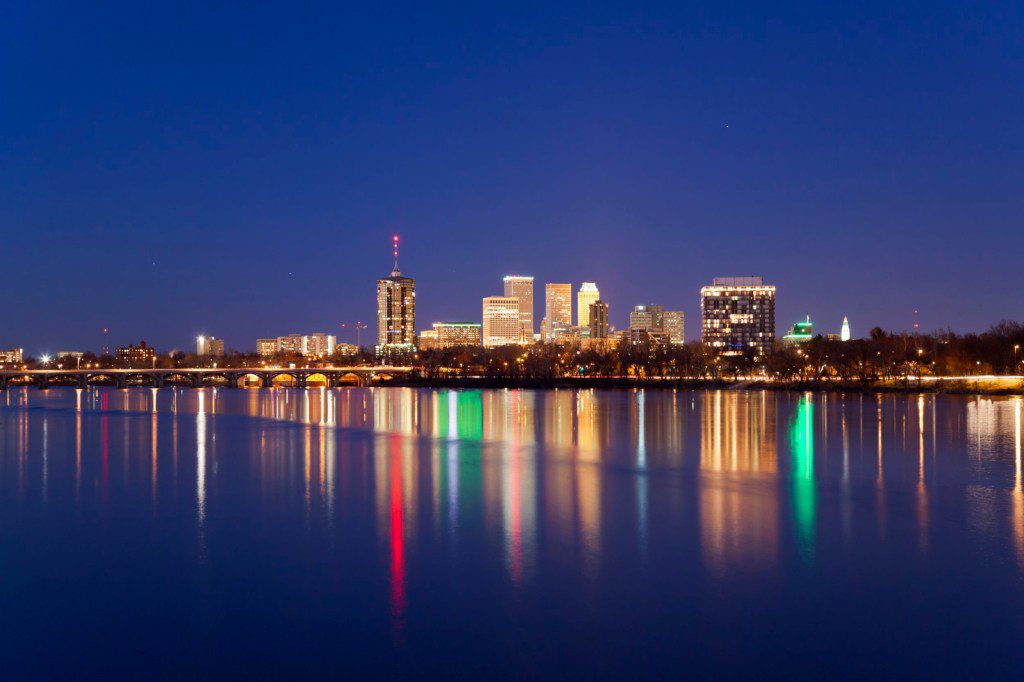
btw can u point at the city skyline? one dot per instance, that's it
(397, 318)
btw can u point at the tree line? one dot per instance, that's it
(879, 357)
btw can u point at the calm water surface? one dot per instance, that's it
(509, 534)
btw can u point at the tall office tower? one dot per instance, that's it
(502, 323)
(521, 288)
(208, 345)
(675, 326)
(650, 318)
(587, 295)
(844, 335)
(738, 315)
(396, 311)
(598, 314)
(557, 307)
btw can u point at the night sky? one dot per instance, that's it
(239, 171)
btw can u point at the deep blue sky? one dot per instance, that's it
(239, 170)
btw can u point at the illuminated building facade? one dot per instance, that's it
(10, 356)
(291, 344)
(346, 348)
(844, 335)
(557, 308)
(141, 356)
(266, 347)
(502, 323)
(738, 315)
(801, 332)
(396, 311)
(585, 297)
(675, 326)
(521, 288)
(648, 318)
(598, 320)
(208, 345)
(319, 345)
(450, 335)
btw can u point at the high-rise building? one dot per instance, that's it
(521, 288)
(266, 347)
(502, 323)
(140, 356)
(208, 345)
(557, 308)
(586, 296)
(598, 316)
(675, 326)
(844, 335)
(738, 315)
(650, 318)
(396, 311)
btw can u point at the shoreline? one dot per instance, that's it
(981, 386)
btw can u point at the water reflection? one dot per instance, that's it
(588, 479)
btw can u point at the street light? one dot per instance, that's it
(1016, 347)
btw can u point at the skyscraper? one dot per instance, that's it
(598, 317)
(587, 295)
(738, 315)
(675, 326)
(557, 308)
(521, 288)
(844, 335)
(396, 311)
(502, 322)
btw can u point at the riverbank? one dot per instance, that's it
(952, 385)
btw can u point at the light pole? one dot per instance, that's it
(1016, 347)
(359, 334)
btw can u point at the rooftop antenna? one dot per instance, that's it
(394, 243)
(917, 322)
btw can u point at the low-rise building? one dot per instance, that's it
(11, 356)
(801, 332)
(450, 335)
(140, 356)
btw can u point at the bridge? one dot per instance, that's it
(197, 377)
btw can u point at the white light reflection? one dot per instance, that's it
(201, 461)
